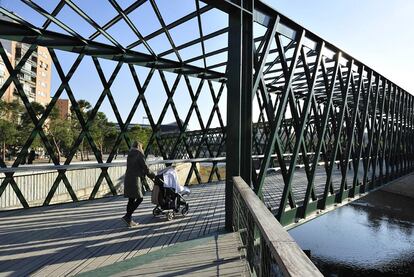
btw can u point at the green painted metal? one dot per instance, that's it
(233, 149)
(316, 105)
(156, 255)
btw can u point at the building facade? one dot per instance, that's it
(4, 75)
(63, 106)
(35, 75)
(43, 76)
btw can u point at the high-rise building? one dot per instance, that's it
(35, 75)
(44, 75)
(4, 75)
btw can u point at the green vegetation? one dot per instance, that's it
(16, 126)
(59, 132)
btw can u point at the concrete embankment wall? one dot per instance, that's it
(403, 186)
(35, 185)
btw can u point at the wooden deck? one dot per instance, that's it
(216, 255)
(78, 237)
(273, 186)
(73, 238)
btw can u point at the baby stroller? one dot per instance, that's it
(167, 195)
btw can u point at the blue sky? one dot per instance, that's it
(376, 32)
(86, 84)
(379, 33)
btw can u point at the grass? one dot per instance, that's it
(205, 171)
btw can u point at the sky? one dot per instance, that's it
(379, 33)
(376, 32)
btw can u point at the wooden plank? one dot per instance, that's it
(125, 244)
(214, 200)
(194, 214)
(133, 242)
(216, 223)
(74, 237)
(84, 245)
(48, 242)
(220, 256)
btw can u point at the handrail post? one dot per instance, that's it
(275, 252)
(239, 95)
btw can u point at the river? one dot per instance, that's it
(373, 236)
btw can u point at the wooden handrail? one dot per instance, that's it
(290, 258)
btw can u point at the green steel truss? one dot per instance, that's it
(292, 98)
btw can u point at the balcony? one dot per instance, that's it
(27, 80)
(28, 72)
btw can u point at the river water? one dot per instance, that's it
(373, 236)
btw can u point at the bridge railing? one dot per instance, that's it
(270, 250)
(84, 181)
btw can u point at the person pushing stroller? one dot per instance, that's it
(135, 173)
(167, 194)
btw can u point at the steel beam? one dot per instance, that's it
(32, 35)
(239, 95)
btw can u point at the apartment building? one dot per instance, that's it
(4, 75)
(35, 75)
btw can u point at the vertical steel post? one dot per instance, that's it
(239, 95)
(247, 94)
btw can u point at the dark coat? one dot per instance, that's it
(136, 170)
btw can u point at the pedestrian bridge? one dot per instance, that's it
(301, 127)
(90, 238)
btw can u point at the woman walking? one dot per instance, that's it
(136, 171)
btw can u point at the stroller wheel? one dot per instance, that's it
(156, 211)
(170, 216)
(184, 211)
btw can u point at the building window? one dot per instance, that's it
(26, 87)
(43, 84)
(18, 53)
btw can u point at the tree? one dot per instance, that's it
(9, 116)
(84, 107)
(123, 147)
(136, 133)
(98, 129)
(8, 133)
(26, 125)
(141, 134)
(59, 132)
(110, 137)
(10, 110)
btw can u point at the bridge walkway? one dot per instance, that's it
(216, 255)
(79, 237)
